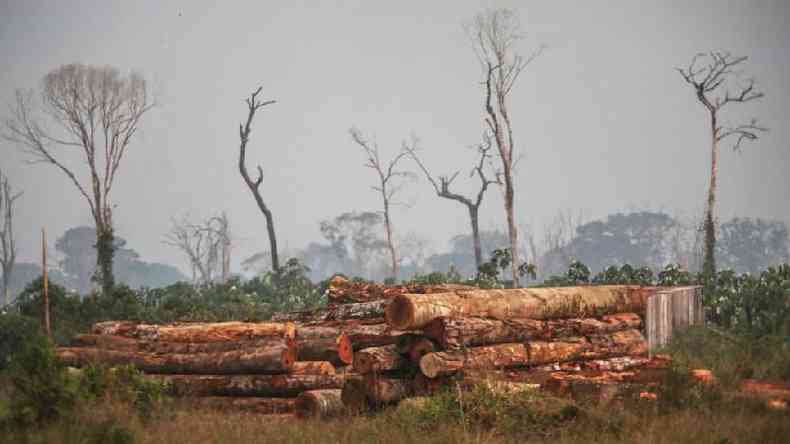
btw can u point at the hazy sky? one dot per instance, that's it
(602, 119)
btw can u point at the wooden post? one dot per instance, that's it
(672, 310)
(45, 278)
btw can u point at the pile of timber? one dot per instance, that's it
(565, 340)
(297, 363)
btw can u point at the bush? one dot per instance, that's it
(14, 330)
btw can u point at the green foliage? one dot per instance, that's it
(490, 273)
(40, 388)
(437, 277)
(14, 330)
(123, 384)
(578, 274)
(625, 275)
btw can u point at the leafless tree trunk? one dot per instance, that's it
(253, 105)
(387, 174)
(97, 111)
(494, 33)
(7, 243)
(206, 245)
(442, 188)
(711, 86)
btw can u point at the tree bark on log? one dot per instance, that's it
(248, 385)
(258, 405)
(354, 396)
(312, 368)
(410, 311)
(278, 358)
(343, 291)
(338, 312)
(360, 335)
(378, 359)
(501, 356)
(382, 390)
(337, 350)
(457, 332)
(420, 348)
(197, 332)
(321, 404)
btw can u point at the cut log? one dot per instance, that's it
(382, 390)
(337, 312)
(501, 356)
(359, 334)
(312, 368)
(421, 347)
(278, 358)
(353, 395)
(378, 359)
(262, 406)
(410, 311)
(247, 385)
(321, 404)
(197, 332)
(344, 291)
(457, 332)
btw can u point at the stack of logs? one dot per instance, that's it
(576, 341)
(374, 345)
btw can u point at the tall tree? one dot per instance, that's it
(254, 103)
(472, 204)
(717, 84)
(96, 110)
(206, 245)
(494, 34)
(7, 243)
(387, 187)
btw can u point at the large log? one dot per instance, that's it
(378, 359)
(501, 356)
(354, 396)
(360, 335)
(320, 404)
(382, 390)
(258, 405)
(312, 368)
(344, 291)
(337, 350)
(410, 311)
(421, 347)
(337, 312)
(277, 358)
(457, 332)
(197, 332)
(248, 385)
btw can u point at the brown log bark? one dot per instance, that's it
(457, 332)
(501, 356)
(378, 359)
(382, 390)
(337, 312)
(197, 332)
(343, 291)
(312, 368)
(321, 404)
(410, 311)
(248, 385)
(278, 358)
(353, 395)
(360, 335)
(336, 350)
(420, 348)
(257, 405)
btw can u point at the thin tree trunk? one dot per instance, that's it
(709, 261)
(474, 221)
(511, 227)
(390, 243)
(45, 278)
(105, 251)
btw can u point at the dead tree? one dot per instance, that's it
(387, 174)
(202, 243)
(97, 111)
(442, 188)
(716, 84)
(221, 227)
(254, 103)
(494, 34)
(7, 243)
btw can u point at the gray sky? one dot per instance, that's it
(603, 121)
